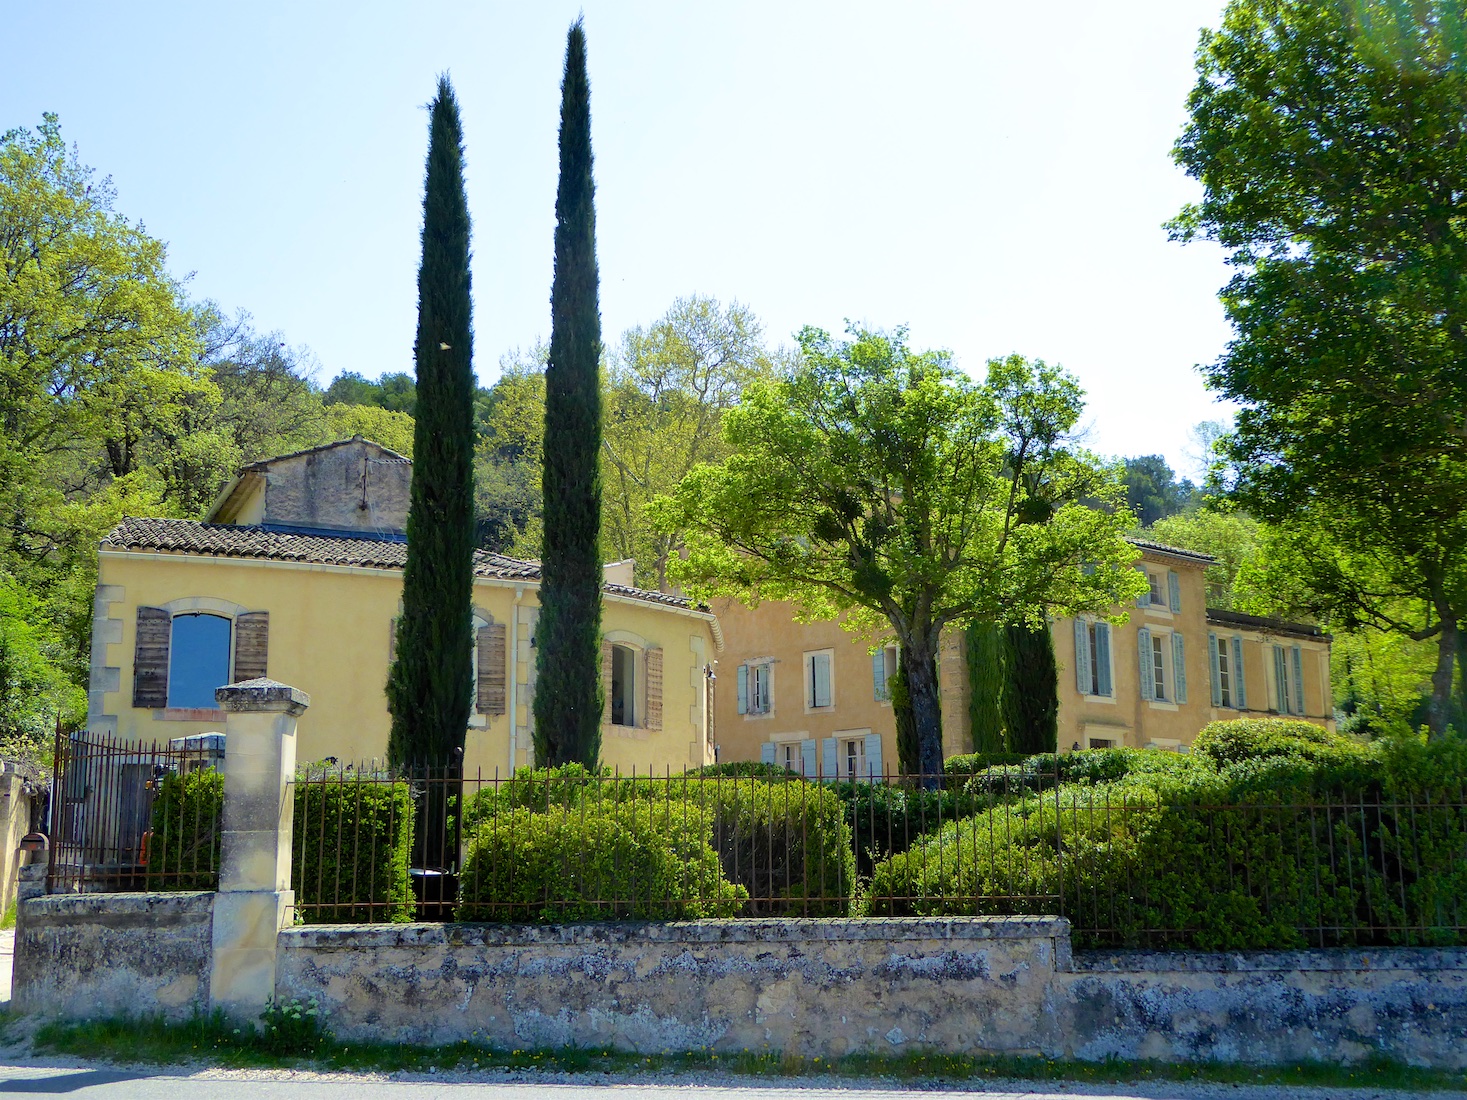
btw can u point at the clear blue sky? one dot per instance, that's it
(993, 174)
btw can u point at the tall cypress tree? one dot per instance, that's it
(568, 695)
(987, 652)
(1031, 690)
(429, 690)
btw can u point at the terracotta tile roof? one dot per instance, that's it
(1175, 551)
(1266, 625)
(226, 540)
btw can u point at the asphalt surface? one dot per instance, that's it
(124, 1084)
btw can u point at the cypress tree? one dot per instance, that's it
(1031, 691)
(568, 695)
(429, 690)
(987, 650)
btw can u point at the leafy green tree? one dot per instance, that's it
(395, 392)
(1153, 491)
(568, 697)
(1327, 135)
(885, 486)
(430, 686)
(508, 459)
(1230, 537)
(667, 393)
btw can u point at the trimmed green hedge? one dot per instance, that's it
(183, 851)
(785, 840)
(596, 860)
(1272, 834)
(352, 838)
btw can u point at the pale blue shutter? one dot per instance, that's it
(821, 678)
(1298, 684)
(1281, 679)
(830, 758)
(1216, 672)
(766, 753)
(1083, 683)
(1144, 600)
(744, 690)
(873, 756)
(1148, 671)
(1174, 590)
(878, 675)
(1102, 660)
(807, 757)
(1179, 668)
(1240, 680)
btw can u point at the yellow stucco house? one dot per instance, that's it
(814, 697)
(297, 574)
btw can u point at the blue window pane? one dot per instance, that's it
(198, 660)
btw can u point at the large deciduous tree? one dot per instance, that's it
(882, 485)
(430, 686)
(568, 695)
(1328, 137)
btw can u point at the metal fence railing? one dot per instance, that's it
(1129, 866)
(114, 800)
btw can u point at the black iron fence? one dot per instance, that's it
(1130, 865)
(113, 803)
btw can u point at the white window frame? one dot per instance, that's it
(852, 771)
(1225, 691)
(1093, 695)
(1156, 596)
(761, 695)
(1161, 666)
(631, 698)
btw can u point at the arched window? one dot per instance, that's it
(198, 659)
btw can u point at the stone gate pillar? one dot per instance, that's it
(254, 901)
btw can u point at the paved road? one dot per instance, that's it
(113, 1084)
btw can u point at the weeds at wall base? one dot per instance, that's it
(216, 1041)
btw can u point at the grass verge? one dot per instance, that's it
(214, 1041)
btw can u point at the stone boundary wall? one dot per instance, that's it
(985, 985)
(1405, 1004)
(815, 987)
(88, 956)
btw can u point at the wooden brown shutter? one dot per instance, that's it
(606, 683)
(490, 687)
(654, 687)
(251, 645)
(150, 658)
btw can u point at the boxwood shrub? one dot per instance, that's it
(1272, 834)
(352, 836)
(183, 847)
(785, 840)
(595, 860)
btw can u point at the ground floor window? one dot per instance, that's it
(623, 685)
(198, 660)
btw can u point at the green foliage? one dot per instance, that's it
(596, 860)
(1153, 491)
(970, 764)
(885, 818)
(885, 487)
(1272, 834)
(293, 1026)
(35, 689)
(1327, 138)
(909, 747)
(1230, 537)
(188, 814)
(784, 840)
(392, 392)
(986, 649)
(508, 459)
(353, 835)
(350, 844)
(429, 688)
(568, 700)
(1031, 690)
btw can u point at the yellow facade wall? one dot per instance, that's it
(330, 636)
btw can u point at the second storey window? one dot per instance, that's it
(817, 680)
(1229, 688)
(1158, 664)
(756, 688)
(1163, 661)
(198, 660)
(1092, 659)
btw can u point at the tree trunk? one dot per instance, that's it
(1440, 715)
(919, 667)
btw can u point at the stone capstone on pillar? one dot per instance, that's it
(254, 902)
